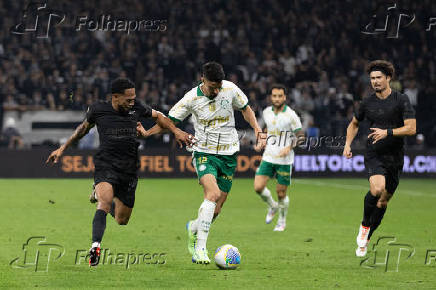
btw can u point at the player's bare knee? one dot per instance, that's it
(122, 221)
(106, 206)
(258, 188)
(377, 190)
(213, 195)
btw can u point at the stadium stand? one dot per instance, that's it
(320, 59)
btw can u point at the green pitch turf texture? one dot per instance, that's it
(315, 251)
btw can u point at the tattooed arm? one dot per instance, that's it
(80, 131)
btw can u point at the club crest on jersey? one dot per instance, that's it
(212, 107)
(225, 104)
(131, 112)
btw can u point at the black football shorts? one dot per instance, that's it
(390, 166)
(124, 185)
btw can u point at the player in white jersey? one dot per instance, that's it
(283, 125)
(212, 105)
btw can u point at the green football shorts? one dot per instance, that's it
(221, 166)
(282, 172)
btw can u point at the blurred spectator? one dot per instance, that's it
(37, 102)
(10, 136)
(64, 102)
(51, 104)
(412, 92)
(10, 104)
(320, 59)
(419, 142)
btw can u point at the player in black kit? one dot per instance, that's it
(116, 162)
(391, 117)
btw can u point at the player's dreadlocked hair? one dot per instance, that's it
(213, 71)
(121, 84)
(384, 66)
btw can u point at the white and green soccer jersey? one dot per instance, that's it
(214, 120)
(281, 128)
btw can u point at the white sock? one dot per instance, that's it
(283, 208)
(194, 227)
(266, 197)
(205, 215)
(95, 244)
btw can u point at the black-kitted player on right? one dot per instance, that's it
(391, 117)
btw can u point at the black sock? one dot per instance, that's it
(98, 225)
(369, 204)
(112, 211)
(376, 219)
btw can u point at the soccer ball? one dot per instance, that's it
(227, 257)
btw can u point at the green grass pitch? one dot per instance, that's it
(315, 251)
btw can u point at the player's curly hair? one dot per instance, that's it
(213, 71)
(384, 66)
(121, 84)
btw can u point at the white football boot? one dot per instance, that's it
(362, 241)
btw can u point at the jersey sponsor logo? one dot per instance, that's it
(222, 147)
(120, 132)
(214, 121)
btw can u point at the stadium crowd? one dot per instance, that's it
(317, 49)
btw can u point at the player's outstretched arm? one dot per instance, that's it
(80, 131)
(164, 123)
(352, 129)
(156, 129)
(250, 117)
